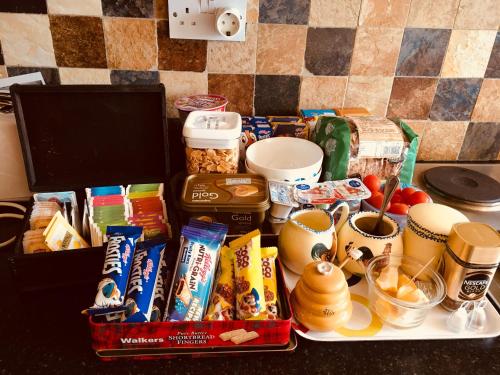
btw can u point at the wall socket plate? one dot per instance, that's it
(207, 19)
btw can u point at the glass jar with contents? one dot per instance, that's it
(212, 142)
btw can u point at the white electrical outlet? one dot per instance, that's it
(207, 19)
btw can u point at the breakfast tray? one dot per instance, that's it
(367, 326)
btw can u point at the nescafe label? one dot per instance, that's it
(474, 285)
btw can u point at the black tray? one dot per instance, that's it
(77, 136)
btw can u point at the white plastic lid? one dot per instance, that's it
(212, 125)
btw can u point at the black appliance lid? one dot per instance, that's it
(76, 136)
(463, 184)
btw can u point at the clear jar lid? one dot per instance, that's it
(212, 125)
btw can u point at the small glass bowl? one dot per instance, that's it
(397, 312)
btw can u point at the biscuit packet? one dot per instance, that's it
(223, 297)
(60, 235)
(268, 257)
(250, 303)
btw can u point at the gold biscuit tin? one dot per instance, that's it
(470, 261)
(238, 200)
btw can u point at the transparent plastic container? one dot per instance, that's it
(398, 312)
(212, 142)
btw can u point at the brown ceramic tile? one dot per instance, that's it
(434, 148)
(411, 98)
(371, 93)
(26, 39)
(130, 43)
(419, 127)
(322, 92)
(468, 53)
(180, 54)
(276, 95)
(422, 52)
(84, 76)
(237, 88)
(78, 41)
(294, 12)
(455, 99)
(493, 69)
(376, 51)
(134, 77)
(128, 8)
(234, 58)
(3, 71)
(433, 13)
(386, 13)
(339, 13)
(487, 107)
(72, 7)
(474, 14)
(272, 58)
(252, 11)
(482, 141)
(329, 51)
(179, 84)
(23, 6)
(50, 75)
(161, 9)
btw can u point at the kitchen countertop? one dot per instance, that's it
(45, 333)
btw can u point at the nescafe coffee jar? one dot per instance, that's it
(470, 261)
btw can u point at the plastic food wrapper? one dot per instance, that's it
(160, 289)
(198, 255)
(250, 303)
(331, 191)
(282, 193)
(60, 235)
(359, 146)
(311, 116)
(222, 302)
(115, 272)
(268, 256)
(143, 281)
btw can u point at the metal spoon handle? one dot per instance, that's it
(390, 187)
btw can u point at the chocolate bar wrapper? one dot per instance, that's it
(160, 289)
(214, 227)
(142, 282)
(268, 257)
(250, 303)
(222, 301)
(194, 274)
(115, 272)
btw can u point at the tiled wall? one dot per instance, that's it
(433, 62)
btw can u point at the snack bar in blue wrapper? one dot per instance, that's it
(115, 272)
(195, 272)
(159, 297)
(142, 281)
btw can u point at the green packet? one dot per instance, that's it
(333, 135)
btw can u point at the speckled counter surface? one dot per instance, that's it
(45, 333)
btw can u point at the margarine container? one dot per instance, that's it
(470, 262)
(212, 142)
(238, 200)
(427, 229)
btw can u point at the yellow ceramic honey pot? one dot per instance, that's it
(321, 300)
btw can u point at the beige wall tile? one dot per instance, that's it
(130, 43)
(3, 71)
(387, 13)
(233, 57)
(468, 53)
(487, 107)
(376, 51)
(26, 40)
(281, 48)
(370, 92)
(84, 76)
(252, 11)
(179, 84)
(339, 13)
(442, 140)
(322, 92)
(419, 127)
(433, 13)
(82, 8)
(478, 14)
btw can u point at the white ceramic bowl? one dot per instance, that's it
(285, 159)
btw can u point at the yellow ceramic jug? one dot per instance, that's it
(310, 235)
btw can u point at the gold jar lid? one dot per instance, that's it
(475, 243)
